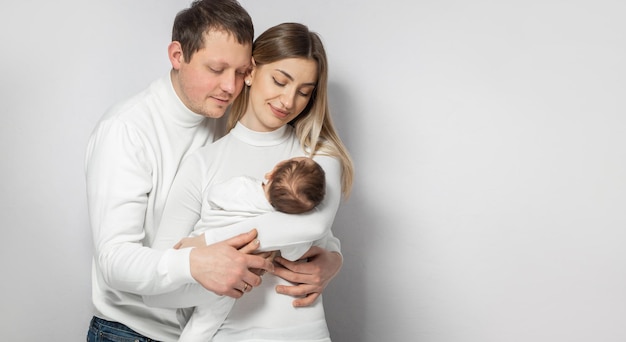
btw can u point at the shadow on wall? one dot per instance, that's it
(345, 299)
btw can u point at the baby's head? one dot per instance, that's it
(296, 185)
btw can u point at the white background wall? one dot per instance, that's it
(489, 139)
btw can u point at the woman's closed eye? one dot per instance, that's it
(300, 92)
(278, 83)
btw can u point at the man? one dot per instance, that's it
(132, 158)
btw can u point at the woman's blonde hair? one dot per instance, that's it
(314, 126)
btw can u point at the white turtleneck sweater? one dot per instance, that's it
(262, 315)
(132, 157)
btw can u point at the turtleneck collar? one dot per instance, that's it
(251, 137)
(181, 115)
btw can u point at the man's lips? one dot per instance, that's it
(223, 100)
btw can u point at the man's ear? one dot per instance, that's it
(175, 54)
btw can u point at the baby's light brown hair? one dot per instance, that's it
(297, 186)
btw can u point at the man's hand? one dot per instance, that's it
(312, 275)
(224, 267)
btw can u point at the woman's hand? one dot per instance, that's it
(312, 275)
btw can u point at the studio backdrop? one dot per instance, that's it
(489, 140)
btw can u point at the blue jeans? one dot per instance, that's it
(101, 330)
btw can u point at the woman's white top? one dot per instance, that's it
(262, 315)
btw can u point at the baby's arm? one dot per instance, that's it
(294, 234)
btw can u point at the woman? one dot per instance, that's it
(282, 113)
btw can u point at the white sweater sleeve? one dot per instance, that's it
(118, 180)
(184, 205)
(290, 232)
(180, 215)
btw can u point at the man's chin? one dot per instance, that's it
(213, 114)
